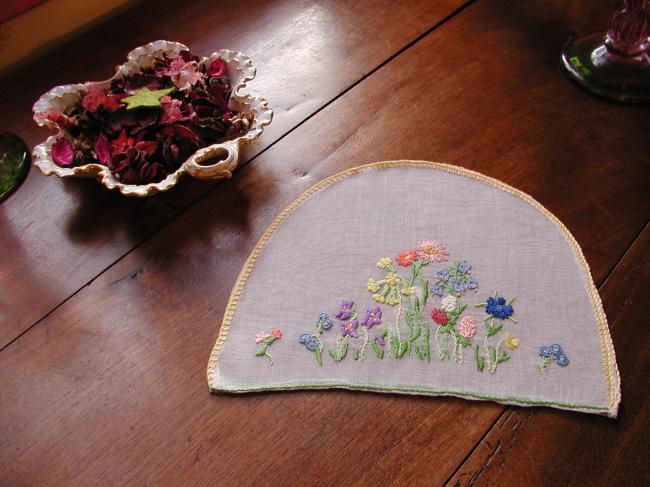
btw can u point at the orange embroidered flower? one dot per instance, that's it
(407, 257)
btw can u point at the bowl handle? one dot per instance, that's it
(220, 169)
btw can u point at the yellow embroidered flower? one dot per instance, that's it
(511, 341)
(373, 286)
(392, 279)
(383, 263)
(407, 291)
(392, 301)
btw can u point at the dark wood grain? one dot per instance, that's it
(58, 235)
(541, 447)
(111, 386)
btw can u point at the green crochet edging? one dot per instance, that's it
(406, 389)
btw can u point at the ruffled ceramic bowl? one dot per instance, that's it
(199, 165)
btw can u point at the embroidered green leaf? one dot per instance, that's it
(145, 98)
(480, 361)
(379, 352)
(261, 352)
(319, 356)
(503, 356)
(463, 341)
(383, 332)
(493, 330)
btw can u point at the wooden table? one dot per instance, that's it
(109, 306)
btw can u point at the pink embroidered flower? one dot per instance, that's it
(432, 250)
(62, 153)
(439, 316)
(277, 333)
(217, 68)
(407, 257)
(96, 97)
(467, 326)
(261, 336)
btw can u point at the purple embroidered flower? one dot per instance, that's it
(380, 341)
(372, 318)
(347, 308)
(437, 290)
(498, 308)
(562, 360)
(350, 328)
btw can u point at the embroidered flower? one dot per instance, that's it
(511, 341)
(443, 275)
(562, 360)
(393, 279)
(407, 257)
(384, 263)
(467, 326)
(347, 308)
(309, 341)
(262, 335)
(266, 340)
(380, 341)
(439, 316)
(497, 307)
(449, 303)
(372, 318)
(324, 321)
(437, 290)
(408, 291)
(459, 286)
(464, 267)
(432, 250)
(472, 284)
(350, 328)
(550, 353)
(373, 286)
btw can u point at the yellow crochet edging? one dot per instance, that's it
(607, 348)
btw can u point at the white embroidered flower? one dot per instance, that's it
(449, 303)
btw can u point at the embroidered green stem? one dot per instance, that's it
(359, 354)
(262, 352)
(341, 348)
(478, 359)
(544, 365)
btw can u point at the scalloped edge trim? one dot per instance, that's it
(610, 369)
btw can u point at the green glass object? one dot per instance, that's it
(14, 163)
(615, 64)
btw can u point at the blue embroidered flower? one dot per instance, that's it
(550, 353)
(324, 321)
(459, 286)
(437, 290)
(562, 360)
(464, 267)
(498, 308)
(309, 341)
(443, 275)
(472, 284)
